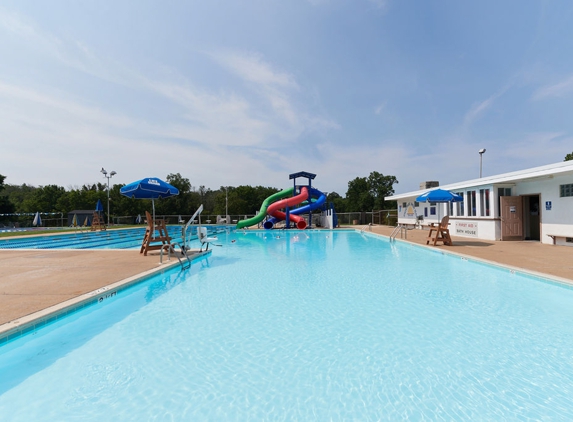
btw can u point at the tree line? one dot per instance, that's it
(363, 194)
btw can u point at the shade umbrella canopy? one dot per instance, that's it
(149, 188)
(37, 220)
(439, 195)
(99, 206)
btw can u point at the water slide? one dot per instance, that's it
(263, 211)
(289, 202)
(311, 206)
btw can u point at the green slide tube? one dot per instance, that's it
(263, 211)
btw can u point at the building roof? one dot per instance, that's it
(302, 174)
(548, 171)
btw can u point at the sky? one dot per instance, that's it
(230, 93)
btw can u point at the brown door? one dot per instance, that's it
(511, 218)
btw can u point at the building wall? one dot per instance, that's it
(555, 213)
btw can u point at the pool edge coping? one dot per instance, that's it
(512, 269)
(16, 328)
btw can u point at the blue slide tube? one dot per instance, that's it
(311, 206)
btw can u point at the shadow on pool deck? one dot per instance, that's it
(34, 280)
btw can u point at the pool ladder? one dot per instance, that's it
(368, 226)
(171, 248)
(399, 229)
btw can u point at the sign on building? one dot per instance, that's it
(467, 229)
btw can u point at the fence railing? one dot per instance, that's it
(381, 217)
(23, 221)
(183, 218)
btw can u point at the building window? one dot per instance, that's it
(459, 206)
(484, 202)
(432, 210)
(471, 196)
(501, 192)
(566, 190)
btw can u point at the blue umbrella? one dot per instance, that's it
(439, 195)
(99, 206)
(149, 188)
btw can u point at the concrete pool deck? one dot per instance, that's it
(528, 256)
(36, 281)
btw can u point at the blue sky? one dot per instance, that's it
(247, 92)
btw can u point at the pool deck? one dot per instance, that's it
(534, 257)
(37, 282)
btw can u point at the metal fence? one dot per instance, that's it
(27, 220)
(380, 217)
(181, 219)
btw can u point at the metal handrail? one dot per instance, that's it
(369, 226)
(171, 248)
(189, 223)
(395, 232)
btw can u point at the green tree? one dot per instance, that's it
(380, 187)
(186, 202)
(44, 199)
(568, 157)
(367, 193)
(241, 200)
(337, 201)
(18, 194)
(6, 207)
(358, 196)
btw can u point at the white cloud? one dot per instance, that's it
(560, 89)
(380, 4)
(380, 109)
(251, 67)
(218, 134)
(478, 109)
(31, 100)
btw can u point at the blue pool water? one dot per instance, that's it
(109, 239)
(305, 326)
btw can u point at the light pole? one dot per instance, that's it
(226, 204)
(481, 151)
(107, 177)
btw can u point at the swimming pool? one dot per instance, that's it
(305, 325)
(109, 239)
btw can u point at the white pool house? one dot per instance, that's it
(534, 204)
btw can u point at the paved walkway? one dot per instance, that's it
(33, 280)
(535, 257)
